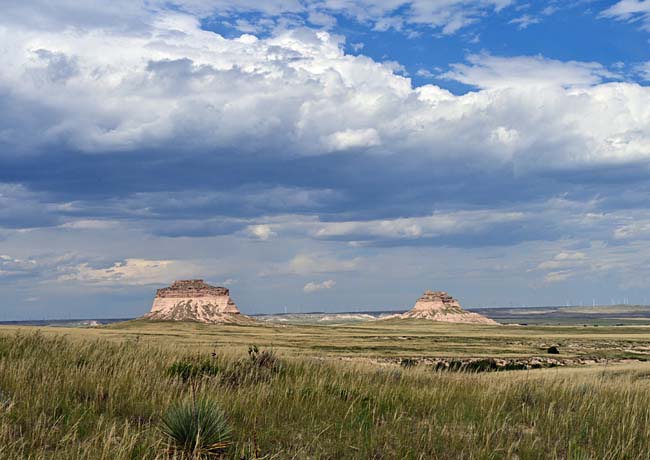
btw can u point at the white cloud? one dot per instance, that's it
(524, 21)
(321, 19)
(314, 287)
(505, 136)
(563, 260)
(262, 232)
(630, 10)
(450, 15)
(610, 265)
(638, 230)
(308, 264)
(14, 267)
(313, 264)
(643, 70)
(132, 272)
(447, 15)
(183, 86)
(559, 276)
(487, 71)
(424, 73)
(90, 224)
(352, 138)
(435, 225)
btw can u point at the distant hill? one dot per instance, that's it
(610, 315)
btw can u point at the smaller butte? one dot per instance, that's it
(440, 306)
(194, 300)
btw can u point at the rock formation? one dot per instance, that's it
(193, 300)
(440, 306)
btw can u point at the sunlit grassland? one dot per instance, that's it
(100, 393)
(380, 339)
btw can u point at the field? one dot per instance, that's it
(603, 315)
(332, 392)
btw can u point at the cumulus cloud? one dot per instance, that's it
(487, 71)
(198, 91)
(353, 138)
(314, 287)
(262, 232)
(132, 272)
(124, 118)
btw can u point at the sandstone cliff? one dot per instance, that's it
(440, 306)
(194, 300)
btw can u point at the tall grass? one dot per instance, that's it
(63, 399)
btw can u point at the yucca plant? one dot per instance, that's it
(197, 427)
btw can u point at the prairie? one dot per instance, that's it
(337, 392)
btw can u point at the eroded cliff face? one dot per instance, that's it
(193, 300)
(436, 301)
(440, 306)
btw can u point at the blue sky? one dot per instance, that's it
(323, 154)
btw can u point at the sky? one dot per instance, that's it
(323, 155)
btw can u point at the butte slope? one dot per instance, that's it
(195, 300)
(440, 306)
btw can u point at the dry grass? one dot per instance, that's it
(380, 339)
(101, 395)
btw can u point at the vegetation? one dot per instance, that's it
(385, 340)
(81, 396)
(196, 427)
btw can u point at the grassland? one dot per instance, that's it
(100, 393)
(380, 339)
(603, 315)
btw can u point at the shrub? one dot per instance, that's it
(514, 366)
(408, 362)
(197, 427)
(187, 370)
(553, 350)
(261, 366)
(263, 359)
(481, 365)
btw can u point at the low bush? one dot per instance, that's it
(408, 362)
(188, 370)
(261, 366)
(196, 427)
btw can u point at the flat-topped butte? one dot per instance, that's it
(440, 306)
(193, 300)
(192, 288)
